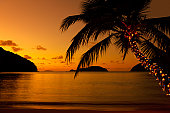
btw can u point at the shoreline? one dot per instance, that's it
(75, 111)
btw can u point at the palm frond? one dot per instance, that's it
(123, 44)
(143, 5)
(161, 39)
(76, 42)
(82, 38)
(157, 55)
(67, 22)
(91, 31)
(151, 50)
(121, 6)
(91, 5)
(161, 23)
(93, 53)
(125, 52)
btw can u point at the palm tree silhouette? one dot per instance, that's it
(125, 24)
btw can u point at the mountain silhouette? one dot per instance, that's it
(138, 68)
(93, 68)
(10, 62)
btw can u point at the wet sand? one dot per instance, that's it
(73, 111)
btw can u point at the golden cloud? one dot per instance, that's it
(27, 57)
(62, 62)
(7, 43)
(58, 57)
(15, 49)
(39, 47)
(117, 62)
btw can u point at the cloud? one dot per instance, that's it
(62, 62)
(43, 58)
(116, 62)
(7, 43)
(39, 47)
(27, 57)
(58, 57)
(104, 63)
(15, 49)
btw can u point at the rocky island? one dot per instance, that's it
(138, 68)
(10, 62)
(92, 69)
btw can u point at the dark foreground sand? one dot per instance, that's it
(72, 111)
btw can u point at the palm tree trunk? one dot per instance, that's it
(153, 67)
(164, 79)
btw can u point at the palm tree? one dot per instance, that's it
(125, 24)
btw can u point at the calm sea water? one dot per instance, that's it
(90, 90)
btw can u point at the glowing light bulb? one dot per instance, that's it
(168, 85)
(163, 79)
(163, 75)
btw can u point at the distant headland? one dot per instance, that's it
(92, 69)
(10, 62)
(138, 68)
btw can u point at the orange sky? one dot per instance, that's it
(30, 28)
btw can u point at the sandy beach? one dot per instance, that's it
(72, 111)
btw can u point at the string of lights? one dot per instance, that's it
(155, 70)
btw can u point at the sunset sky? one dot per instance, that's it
(30, 28)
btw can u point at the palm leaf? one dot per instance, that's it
(119, 7)
(122, 43)
(82, 38)
(67, 22)
(151, 50)
(157, 55)
(91, 31)
(161, 23)
(158, 37)
(93, 53)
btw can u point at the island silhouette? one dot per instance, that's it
(10, 62)
(138, 68)
(93, 69)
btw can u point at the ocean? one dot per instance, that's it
(125, 91)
